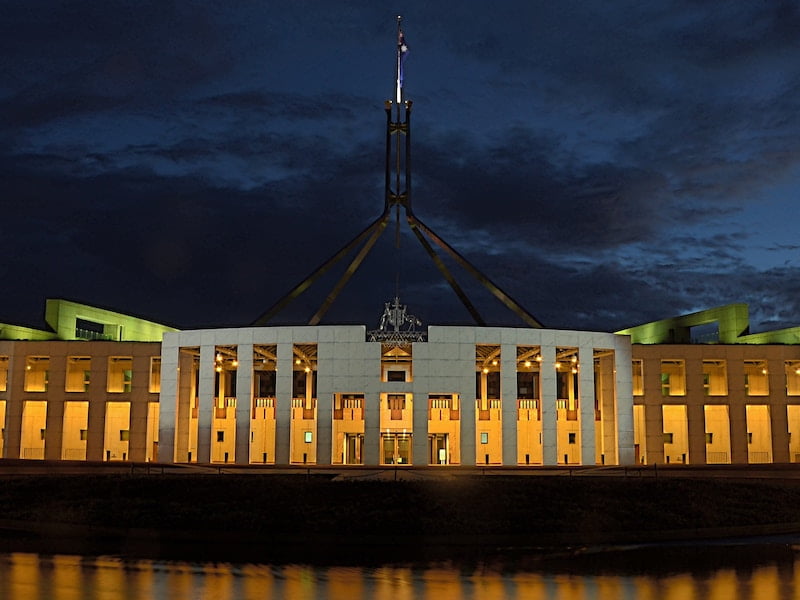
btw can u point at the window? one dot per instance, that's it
(637, 373)
(309, 436)
(749, 437)
(668, 438)
(709, 438)
(3, 373)
(673, 378)
(715, 378)
(572, 438)
(37, 373)
(84, 434)
(527, 385)
(79, 371)
(155, 375)
(220, 436)
(120, 374)
(397, 401)
(484, 437)
(791, 368)
(41, 433)
(124, 435)
(396, 362)
(756, 378)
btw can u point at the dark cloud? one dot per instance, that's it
(191, 162)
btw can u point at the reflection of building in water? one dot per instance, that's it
(80, 577)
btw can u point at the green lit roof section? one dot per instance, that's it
(74, 321)
(732, 322)
(17, 332)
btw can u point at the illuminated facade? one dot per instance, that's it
(695, 389)
(468, 395)
(86, 390)
(706, 391)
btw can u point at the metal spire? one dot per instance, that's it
(397, 195)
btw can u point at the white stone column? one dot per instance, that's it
(586, 390)
(624, 389)
(508, 394)
(168, 400)
(244, 402)
(324, 421)
(283, 403)
(372, 428)
(548, 402)
(206, 402)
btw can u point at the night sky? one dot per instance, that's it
(606, 163)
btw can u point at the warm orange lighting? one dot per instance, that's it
(574, 359)
(574, 369)
(297, 361)
(219, 357)
(308, 369)
(558, 365)
(494, 363)
(219, 369)
(538, 358)
(527, 363)
(485, 369)
(235, 363)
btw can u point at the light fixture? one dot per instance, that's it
(218, 369)
(297, 361)
(538, 358)
(219, 356)
(558, 365)
(485, 370)
(574, 369)
(234, 363)
(527, 363)
(574, 358)
(308, 369)
(494, 362)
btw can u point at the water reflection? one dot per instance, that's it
(60, 577)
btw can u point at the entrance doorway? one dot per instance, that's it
(353, 448)
(396, 448)
(438, 450)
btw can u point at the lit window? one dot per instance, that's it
(638, 377)
(484, 437)
(155, 375)
(673, 378)
(715, 378)
(120, 374)
(79, 371)
(37, 373)
(3, 373)
(308, 437)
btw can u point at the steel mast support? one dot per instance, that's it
(397, 194)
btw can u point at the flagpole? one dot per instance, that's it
(398, 83)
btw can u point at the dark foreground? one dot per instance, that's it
(312, 518)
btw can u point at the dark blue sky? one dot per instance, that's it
(605, 163)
